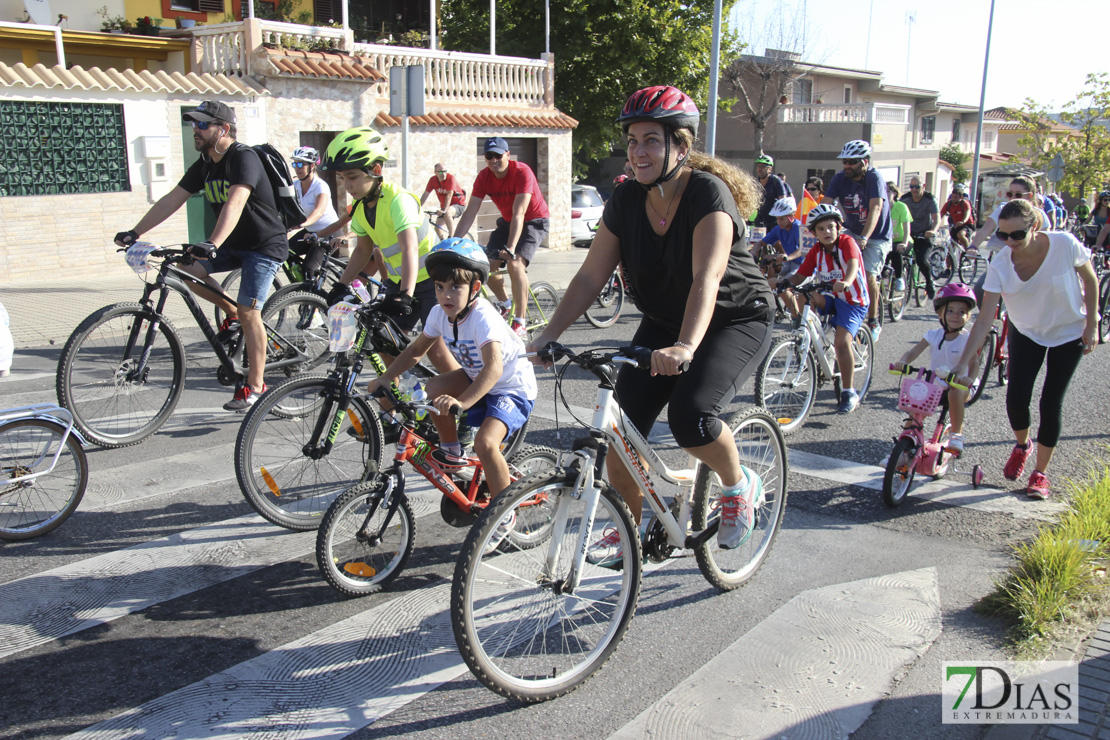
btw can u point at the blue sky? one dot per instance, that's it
(1042, 50)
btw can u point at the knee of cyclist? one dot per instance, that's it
(693, 428)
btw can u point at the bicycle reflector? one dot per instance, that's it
(342, 327)
(138, 257)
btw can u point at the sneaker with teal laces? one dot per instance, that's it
(738, 512)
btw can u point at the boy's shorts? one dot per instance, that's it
(844, 314)
(509, 409)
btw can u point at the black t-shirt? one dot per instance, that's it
(772, 191)
(920, 212)
(660, 269)
(259, 228)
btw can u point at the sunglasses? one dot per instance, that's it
(441, 172)
(492, 155)
(1016, 236)
(852, 161)
(812, 190)
(299, 165)
(1012, 195)
(202, 125)
(915, 187)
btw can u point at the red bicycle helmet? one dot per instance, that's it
(668, 105)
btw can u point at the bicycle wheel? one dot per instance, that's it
(899, 472)
(863, 351)
(1104, 310)
(523, 627)
(896, 302)
(606, 309)
(763, 451)
(786, 384)
(230, 285)
(288, 484)
(98, 380)
(298, 322)
(970, 268)
(357, 551)
(534, 518)
(33, 507)
(916, 284)
(986, 358)
(545, 299)
(940, 264)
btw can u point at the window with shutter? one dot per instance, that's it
(212, 6)
(327, 11)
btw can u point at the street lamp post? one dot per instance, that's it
(979, 127)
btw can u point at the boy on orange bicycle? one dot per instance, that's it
(953, 304)
(496, 383)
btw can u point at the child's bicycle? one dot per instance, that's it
(306, 441)
(920, 393)
(787, 380)
(367, 534)
(532, 623)
(122, 370)
(43, 470)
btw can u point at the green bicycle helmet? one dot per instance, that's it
(355, 149)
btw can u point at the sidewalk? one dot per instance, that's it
(46, 313)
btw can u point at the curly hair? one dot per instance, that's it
(746, 191)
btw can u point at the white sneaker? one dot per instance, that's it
(738, 512)
(899, 285)
(607, 551)
(501, 532)
(956, 444)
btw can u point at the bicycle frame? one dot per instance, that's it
(813, 342)
(48, 412)
(929, 454)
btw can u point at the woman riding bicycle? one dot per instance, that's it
(315, 197)
(683, 245)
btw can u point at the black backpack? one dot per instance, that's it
(287, 204)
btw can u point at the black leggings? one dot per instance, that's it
(725, 359)
(1026, 358)
(922, 245)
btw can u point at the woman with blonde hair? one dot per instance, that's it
(680, 237)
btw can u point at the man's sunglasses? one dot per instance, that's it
(1016, 236)
(492, 155)
(203, 125)
(852, 161)
(1011, 195)
(812, 190)
(915, 187)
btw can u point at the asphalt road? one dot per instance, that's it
(163, 579)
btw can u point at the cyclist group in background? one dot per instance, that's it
(678, 226)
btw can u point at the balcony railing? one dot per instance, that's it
(846, 113)
(450, 76)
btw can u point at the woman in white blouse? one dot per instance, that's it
(1051, 295)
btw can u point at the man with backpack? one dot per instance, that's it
(250, 232)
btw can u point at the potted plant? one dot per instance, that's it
(113, 23)
(147, 26)
(183, 22)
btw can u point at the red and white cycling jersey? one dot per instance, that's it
(824, 265)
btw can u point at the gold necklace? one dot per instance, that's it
(663, 216)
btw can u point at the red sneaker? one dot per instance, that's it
(1038, 485)
(244, 398)
(1015, 466)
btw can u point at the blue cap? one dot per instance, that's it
(497, 145)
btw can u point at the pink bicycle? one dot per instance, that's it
(920, 393)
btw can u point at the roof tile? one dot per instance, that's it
(95, 78)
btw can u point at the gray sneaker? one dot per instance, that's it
(738, 513)
(849, 400)
(244, 398)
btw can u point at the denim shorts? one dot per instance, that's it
(845, 314)
(509, 409)
(257, 278)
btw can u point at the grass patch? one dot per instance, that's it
(1058, 586)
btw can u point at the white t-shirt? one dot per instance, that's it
(480, 327)
(308, 202)
(1048, 308)
(946, 354)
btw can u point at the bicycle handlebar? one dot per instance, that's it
(412, 407)
(951, 378)
(593, 360)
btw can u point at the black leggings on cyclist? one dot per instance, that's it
(314, 254)
(725, 359)
(1026, 358)
(922, 245)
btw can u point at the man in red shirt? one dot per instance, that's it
(452, 197)
(523, 224)
(958, 210)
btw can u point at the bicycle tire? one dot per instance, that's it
(863, 351)
(920, 293)
(545, 299)
(1104, 310)
(606, 308)
(986, 358)
(230, 285)
(900, 469)
(92, 379)
(940, 264)
(969, 269)
(787, 401)
(762, 450)
(278, 478)
(299, 322)
(33, 508)
(534, 518)
(357, 564)
(896, 303)
(1004, 370)
(520, 633)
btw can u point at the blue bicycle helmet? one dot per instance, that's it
(457, 251)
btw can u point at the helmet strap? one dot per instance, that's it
(667, 176)
(471, 297)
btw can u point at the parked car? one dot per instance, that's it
(585, 213)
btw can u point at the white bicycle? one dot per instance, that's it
(534, 620)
